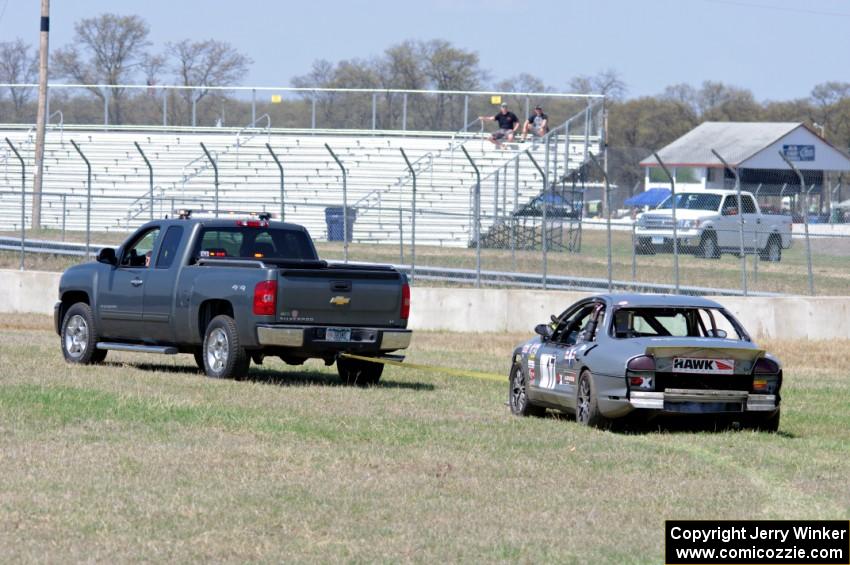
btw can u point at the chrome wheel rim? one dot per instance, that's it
(76, 336)
(517, 390)
(583, 405)
(217, 350)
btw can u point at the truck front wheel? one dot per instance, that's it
(80, 336)
(356, 372)
(708, 248)
(224, 358)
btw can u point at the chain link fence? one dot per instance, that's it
(549, 213)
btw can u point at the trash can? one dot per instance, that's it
(334, 218)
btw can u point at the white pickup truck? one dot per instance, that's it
(709, 224)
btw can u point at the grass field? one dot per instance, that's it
(830, 262)
(143, 459)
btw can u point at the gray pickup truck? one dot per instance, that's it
(230, 291)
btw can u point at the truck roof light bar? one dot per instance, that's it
(185, 214)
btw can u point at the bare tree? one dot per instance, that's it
(204, 64)
(447, 67)
(607, 82)
(106, 49)
(18, 66)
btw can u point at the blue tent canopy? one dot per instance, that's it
(652, 197)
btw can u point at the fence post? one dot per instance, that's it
(88, 199)
(607, 201)
(675, 221)
(344, 204)
(543, 218)
(194, 109)
(740, 222)
(150, 175)
(64, 208)
(215, 172)
(805, 221)
(514, 225)
(253, 106)
(496, 195)
(756, 232)
(374, 111)
(634, 259)
(23, 199)
(313, 111)
(477, 219)
(400, 237)
(164, 107)
(280, 168)
(413, 218)
(465, 111)
(404, 112)
(106, 95)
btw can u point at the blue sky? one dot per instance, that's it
(777, 48)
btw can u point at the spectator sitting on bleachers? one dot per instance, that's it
(508, 124)
(537, 123)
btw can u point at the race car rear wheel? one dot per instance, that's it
(518, 394)
(356, 372)
(587, 406)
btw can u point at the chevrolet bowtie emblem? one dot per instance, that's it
(340, 300)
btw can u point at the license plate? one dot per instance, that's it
(338, 334)
(657, 240)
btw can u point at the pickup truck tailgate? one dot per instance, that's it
(340, 295)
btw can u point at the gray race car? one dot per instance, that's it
(609, 356)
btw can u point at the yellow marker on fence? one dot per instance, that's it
(460, 372)
(495, 100)
(276, 98)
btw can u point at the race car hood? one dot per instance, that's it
(701, 354)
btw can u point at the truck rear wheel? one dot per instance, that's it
(356, 372)
(772, 251)
(224, 358)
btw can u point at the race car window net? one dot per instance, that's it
(674, 322)
(244, 242)
(581, 325)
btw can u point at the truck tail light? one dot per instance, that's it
(265, 298)
(405, 302)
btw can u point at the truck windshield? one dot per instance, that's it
(693, 201)
(255, 243)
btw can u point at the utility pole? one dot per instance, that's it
(41, 118)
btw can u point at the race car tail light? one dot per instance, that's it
(265, 298)
(405, 302)
(641, 363)
(640, 372)
(765, 366)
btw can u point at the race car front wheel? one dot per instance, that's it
(518, 394)
(587, 406)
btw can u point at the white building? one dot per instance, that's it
(753, 149)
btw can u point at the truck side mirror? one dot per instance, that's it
(107, 255)
(543, 330)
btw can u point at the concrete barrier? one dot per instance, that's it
(510, 310)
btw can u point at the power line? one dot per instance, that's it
(779, 8)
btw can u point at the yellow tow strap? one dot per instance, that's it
(433, 369)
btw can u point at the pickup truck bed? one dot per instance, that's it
(231, 291)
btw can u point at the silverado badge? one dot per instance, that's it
(340, 300)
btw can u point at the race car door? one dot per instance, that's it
(552, 375)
